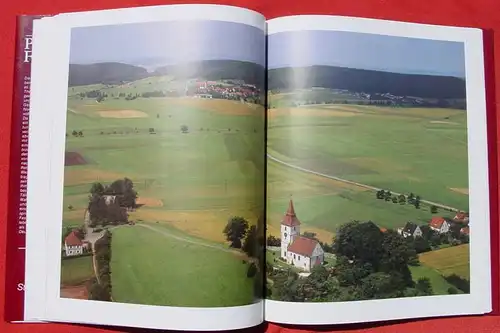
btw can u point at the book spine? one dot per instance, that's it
(16, 220)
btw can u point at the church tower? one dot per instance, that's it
(290, 229)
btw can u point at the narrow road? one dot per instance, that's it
(368, 187)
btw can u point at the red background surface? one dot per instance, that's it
(474, 13)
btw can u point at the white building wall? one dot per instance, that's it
(73, 250)
(298, 261)
(291, 233)
(445, 227)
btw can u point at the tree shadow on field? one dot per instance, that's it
(241, 151)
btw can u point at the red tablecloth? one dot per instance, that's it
(475, 13)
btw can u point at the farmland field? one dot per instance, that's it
(150, 266)
(447, 261)
(75, 271)
(405, 150)
(194, 162)
(439, 284)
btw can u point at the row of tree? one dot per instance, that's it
(402, 199)
(76, 133)
(99, 288)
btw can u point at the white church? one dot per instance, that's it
(299, 251)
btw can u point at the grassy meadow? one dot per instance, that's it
(404, 150)
(189, 183)
(75, 271)
(179, 269)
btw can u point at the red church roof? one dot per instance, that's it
(303, 246)
(73, 240)
(290, 219)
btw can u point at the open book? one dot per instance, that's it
(196, 167)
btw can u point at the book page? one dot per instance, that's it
(152, 160)
(377, 169)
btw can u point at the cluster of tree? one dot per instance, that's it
(459, 282)
(109, 204)
(76, 134)
(100, 287)
(402, 199)
(370, 265)
(131, 97)
(273, 241)
(160, 93)
(95, 94)
(240, 235)
(250, 239)
(184, 129)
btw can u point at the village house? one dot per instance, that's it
(462, 217)
(410, 230)
(465, 231)
(299, 251)
(73, 245)
(439, 224)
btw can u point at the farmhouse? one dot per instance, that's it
(439, 224)
(73, 245)
(109, 199)
(410, 230)
(299, 251)
(462, 217)
(465, 231)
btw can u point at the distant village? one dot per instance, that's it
(344, 96)
(225, 89)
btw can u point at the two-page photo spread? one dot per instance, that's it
(196, 167)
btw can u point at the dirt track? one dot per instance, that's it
(372, 188)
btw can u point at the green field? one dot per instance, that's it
(217, 166)
(404, 150)
(191, 182)
(309, 96)
(439, 284)
(152, 267)
(75, 271)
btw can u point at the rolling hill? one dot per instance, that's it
(113, 72)
(105, 73)
(368, 81)
(217, 70)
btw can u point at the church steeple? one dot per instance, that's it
(290, 211)
(290, 218)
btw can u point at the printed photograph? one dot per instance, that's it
(367, 167)
(164, 165)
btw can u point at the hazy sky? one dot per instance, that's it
(366, 51)
(174, 41)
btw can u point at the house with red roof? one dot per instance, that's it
(462, 217)
(297, 250)
(465, 231)
(439, 224)
(73, 245)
